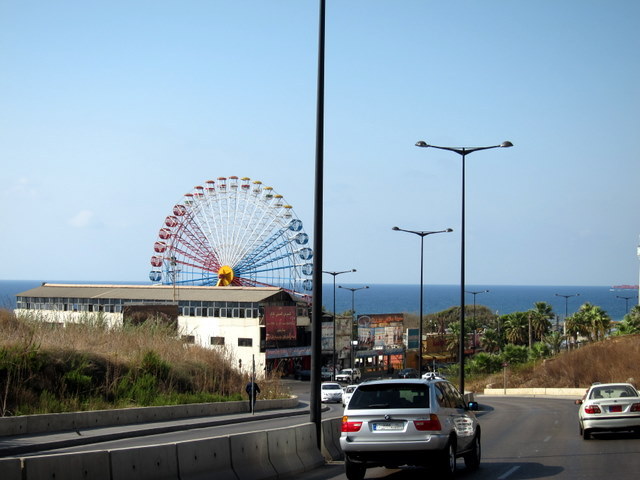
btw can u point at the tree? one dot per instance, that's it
(630, 324)
(594, 321)
(516, 327)
(491, 340)
(541, 317)
(554, 340)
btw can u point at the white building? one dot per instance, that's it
(250, 322)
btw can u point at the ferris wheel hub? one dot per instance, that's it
(225, 276)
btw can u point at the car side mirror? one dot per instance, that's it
(473, 406)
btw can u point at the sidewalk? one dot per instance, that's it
(21, 444)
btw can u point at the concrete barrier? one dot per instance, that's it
(155, 462)
(68, 466)
(60, 422)
(307, 447)
(283, 454)
(331, 439)
(250, 456)
(10, 469)
(205, 459)
(550, 392)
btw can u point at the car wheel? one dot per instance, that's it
(586, 434)
(472, 459)
(354, 471)
(447, 460)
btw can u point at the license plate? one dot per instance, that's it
(615, 408)
(387, 426)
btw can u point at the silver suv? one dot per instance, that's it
(409, 422)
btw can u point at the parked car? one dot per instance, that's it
(347, 393)
(609, 407)
(302, 375)
(349, 375)
(325, 373)
(408, 373)
(331, 392)
(409, 421)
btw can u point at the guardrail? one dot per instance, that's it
(29, 424)
(254, 455)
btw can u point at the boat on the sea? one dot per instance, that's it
(624, 287)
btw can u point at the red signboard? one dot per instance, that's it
(280, 323)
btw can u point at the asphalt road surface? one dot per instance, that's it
(523, 438)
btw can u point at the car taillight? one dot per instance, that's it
(635, 407)
(348, 426)
(432, 424)
(592, 409)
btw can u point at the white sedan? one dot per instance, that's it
(331, 392)
(608, 407)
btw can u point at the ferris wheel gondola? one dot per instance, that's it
(234, 232)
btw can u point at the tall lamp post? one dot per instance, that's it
(421, 234)
(353, 313)
(463, 152)
(626, 302)
(335, 274)
(566, 302)
(474, 315)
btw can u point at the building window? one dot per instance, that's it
(217, 340)
(245, 342)
(190, 339)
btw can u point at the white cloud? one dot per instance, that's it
(81, 219)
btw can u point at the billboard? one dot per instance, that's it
(379, 331)
(280, 323)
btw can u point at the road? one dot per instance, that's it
(523, 438)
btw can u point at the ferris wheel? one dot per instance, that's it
(233, 232)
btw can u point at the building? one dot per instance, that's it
(262, 324)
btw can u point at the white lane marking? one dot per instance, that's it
(547, 439)
(508, 472)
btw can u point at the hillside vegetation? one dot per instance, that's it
(615, 359)
(48, 368)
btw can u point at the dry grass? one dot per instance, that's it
(59, 362)
(615, 359)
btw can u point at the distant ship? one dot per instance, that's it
(624, 287)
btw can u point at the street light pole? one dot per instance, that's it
(626, 302)
(353, 313)
(566, 303)
(474, 315)
(335, 274)
(463, 152)
(421, 234)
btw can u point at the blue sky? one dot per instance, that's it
(111, 111)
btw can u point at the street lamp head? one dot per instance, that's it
(449, 230)
(506, 144)
(395, 228)
(422, 143)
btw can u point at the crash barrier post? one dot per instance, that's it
(331, 439)
(250, 456)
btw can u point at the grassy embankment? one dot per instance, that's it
(615, 359)
(89, 366)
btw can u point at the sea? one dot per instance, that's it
(392, 298)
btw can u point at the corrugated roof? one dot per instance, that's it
(156, 292)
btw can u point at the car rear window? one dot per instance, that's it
(396, 395)
(612, 391)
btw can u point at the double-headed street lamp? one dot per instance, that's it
(421, 234)
(335, 274)
(626, 301)
(566, 302)
(353, 313)
(463, 152)
(474, 315)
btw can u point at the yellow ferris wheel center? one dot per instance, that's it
(225, 276)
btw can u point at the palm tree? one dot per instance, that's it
(596, 323)
(630, 324)
(554, 340)
(540, 319)
(491, 340)
(516, 327)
